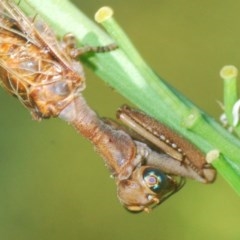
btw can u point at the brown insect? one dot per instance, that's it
(35, 67)
(44, 75)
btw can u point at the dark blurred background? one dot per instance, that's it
(52, 183)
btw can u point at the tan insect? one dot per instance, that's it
(44, 75)
(35, 67)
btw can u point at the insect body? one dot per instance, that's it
(33, 66)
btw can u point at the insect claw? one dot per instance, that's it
(209, 173)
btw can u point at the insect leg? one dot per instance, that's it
(69, 44)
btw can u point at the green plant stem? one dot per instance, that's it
(229, 75)
(126, 71)
(230, 97)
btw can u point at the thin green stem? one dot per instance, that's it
(125, 44)
(230, 97)
(229, 76)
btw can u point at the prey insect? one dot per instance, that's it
(44, 75)
(40, 71)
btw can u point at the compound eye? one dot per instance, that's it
(155, 179)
